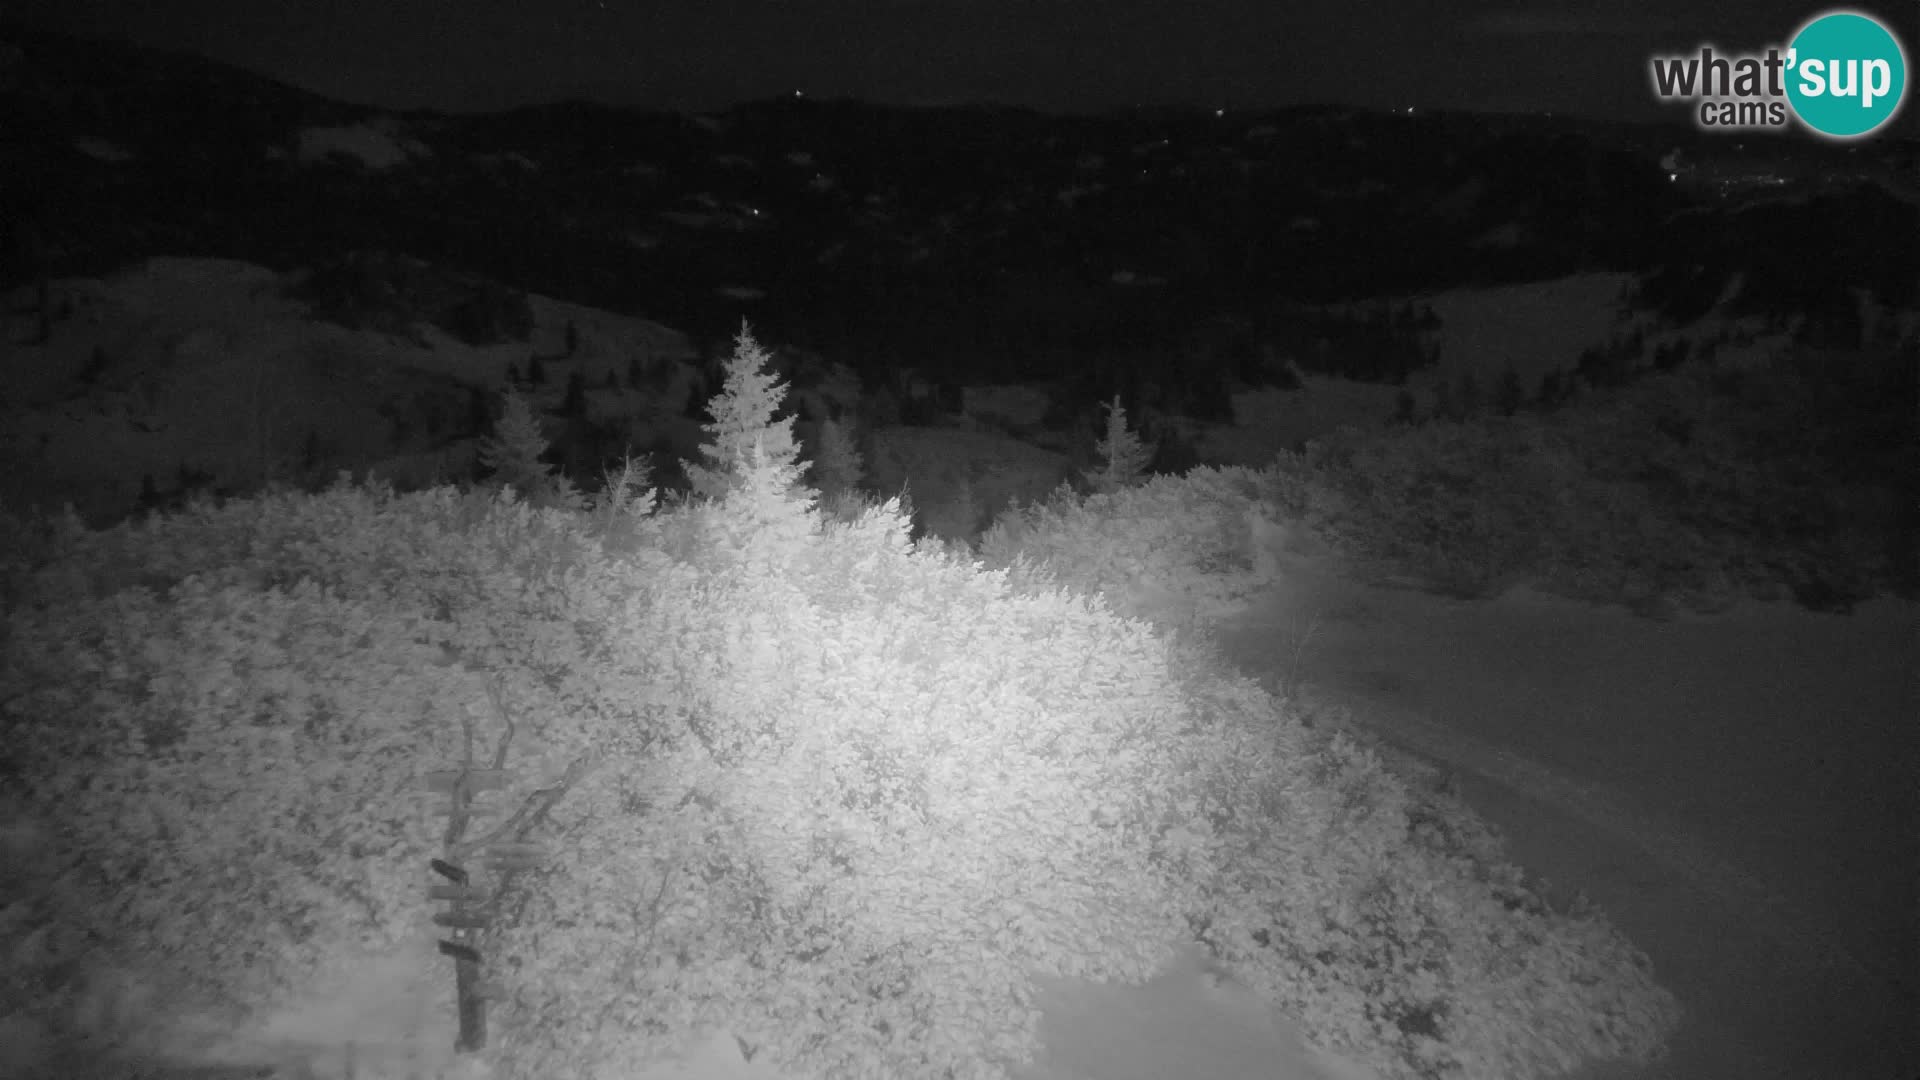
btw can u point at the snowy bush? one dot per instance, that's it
(234, 769)
(840, 860)
(829, 792)
(1179, 540)
(231, 713)
(1390, 923)
(1676, 491)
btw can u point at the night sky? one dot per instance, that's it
(1587, 57)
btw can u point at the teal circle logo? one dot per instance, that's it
(1846, 74)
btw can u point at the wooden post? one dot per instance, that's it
(470, 910)
(466, 916)
(473, 1007)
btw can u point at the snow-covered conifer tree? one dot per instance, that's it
(1124, 455)
(743, 413)
(837, 467)
(512, 454)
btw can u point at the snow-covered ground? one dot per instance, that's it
(1735, 791)
(1185, 1024)
(208, 364)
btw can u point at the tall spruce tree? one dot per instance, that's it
(512, 455)
(837, 465)
(743, 417)
(1122, 455)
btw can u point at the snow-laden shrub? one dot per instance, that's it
(1167, 537)
(235, 772)
(1466, 504)
(954, 519)
(842, 798)
(910, 784)
(891, 808)
(232, 724)
(1676, 491)
(1390, 923)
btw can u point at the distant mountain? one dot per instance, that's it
(872, 230)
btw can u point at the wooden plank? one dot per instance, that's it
(462, 919)
(478, 779)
